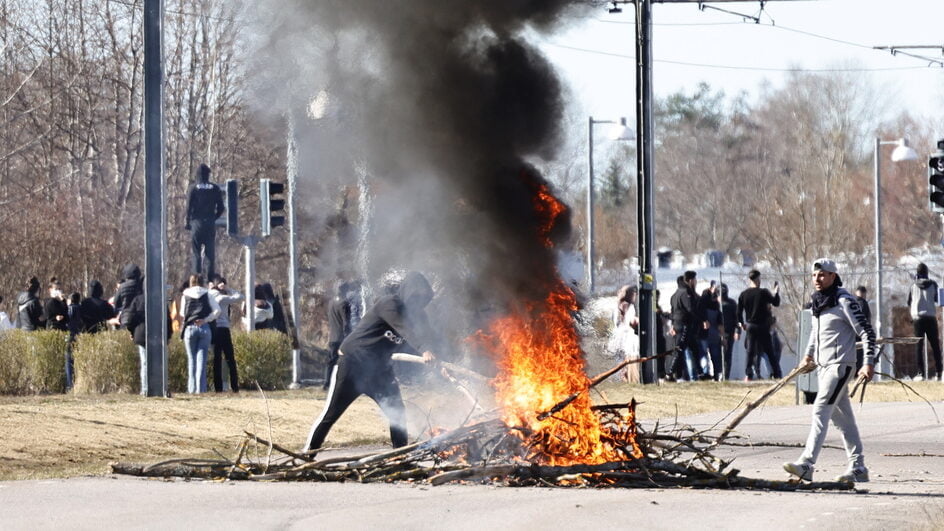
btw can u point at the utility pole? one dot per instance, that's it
(155, 200)
(645, 154)
(291, 167)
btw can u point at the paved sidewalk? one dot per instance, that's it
(905, 492)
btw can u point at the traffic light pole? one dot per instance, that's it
(249, 245)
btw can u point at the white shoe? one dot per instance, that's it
(856, 474)
(918, 378)
(801, 470)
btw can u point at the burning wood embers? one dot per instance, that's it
(489, 450)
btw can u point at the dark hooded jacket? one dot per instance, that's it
(129, 288)
(684, 306)
(95, 310)
(29, 311)
(53, 308)
(396, 323)
(340, 317)
(205, 202)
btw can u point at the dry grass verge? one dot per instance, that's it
(62, 436)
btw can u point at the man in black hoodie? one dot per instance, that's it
(29, 311)
(94, 309)
(396, 323)
(204, 206)
(131, 285)
(56, 310)
(729, 321)
(341, 320)
(754, 316)
(685, 326)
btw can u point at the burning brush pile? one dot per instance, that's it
(545, 431)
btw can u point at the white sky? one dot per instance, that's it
(605, 84)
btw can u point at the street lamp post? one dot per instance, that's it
(901, 153)
(622, 133)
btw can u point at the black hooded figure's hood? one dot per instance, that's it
(415, 291)
(203, 173)
(96, 290)
(131, 272)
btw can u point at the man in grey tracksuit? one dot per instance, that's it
(922, 301)
(838, 323)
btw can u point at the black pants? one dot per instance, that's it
(203, 238)
(329, 367)
(727, 347)
(757, 341)
(687, 354)
(223, 346)
(926, 327)
(352, 377)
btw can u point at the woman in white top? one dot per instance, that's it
(625, 341)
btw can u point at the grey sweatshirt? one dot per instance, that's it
(836, 330)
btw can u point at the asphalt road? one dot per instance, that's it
(905, 492)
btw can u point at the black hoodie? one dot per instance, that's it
(95, 310)
(396, 323)
(29, 311)
(684, 306)
(129, 288)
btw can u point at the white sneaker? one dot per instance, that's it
(856, 474)
(918, 378)
(801, 470)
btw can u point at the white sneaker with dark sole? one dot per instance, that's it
(858, 474)
(800, 470)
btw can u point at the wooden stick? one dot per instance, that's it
(751, 406)
(272, 445)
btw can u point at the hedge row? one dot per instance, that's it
(107, 362)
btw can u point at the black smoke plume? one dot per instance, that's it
(446, 106)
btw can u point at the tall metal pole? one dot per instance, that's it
(878, 245)
(291, 162)
(249, 244)
(644, 169)
(155, 234)
(590, 210)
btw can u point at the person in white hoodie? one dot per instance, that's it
(199, 308)
(5, 323)
(222, 340)
(838, 323)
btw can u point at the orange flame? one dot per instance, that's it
(540, 363)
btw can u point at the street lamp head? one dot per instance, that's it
(904, 152)
(624, 132)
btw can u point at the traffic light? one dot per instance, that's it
(936, 179)
(232, 207)
(271, 205)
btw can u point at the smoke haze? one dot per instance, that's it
(441, 105)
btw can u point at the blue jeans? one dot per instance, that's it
(197, 342)
(142, 355)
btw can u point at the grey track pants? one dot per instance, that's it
(832, 402)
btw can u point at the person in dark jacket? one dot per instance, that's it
(922, 301)
(685, 326)
(204, 206)
(711, 336)
(861, 295)
(341, 320)
(56, 309)
(396, 323)
(95, 310)
(754, 316)
(29, 310)
(131, 285)
(134, 321)
(729, 325)
(277, 321)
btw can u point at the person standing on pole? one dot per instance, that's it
(204, 206)
(754, 316)
(838, 323)
(922, 301)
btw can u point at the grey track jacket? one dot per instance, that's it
(836, 330)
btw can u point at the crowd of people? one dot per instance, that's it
(700, 330)
(201, 315)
